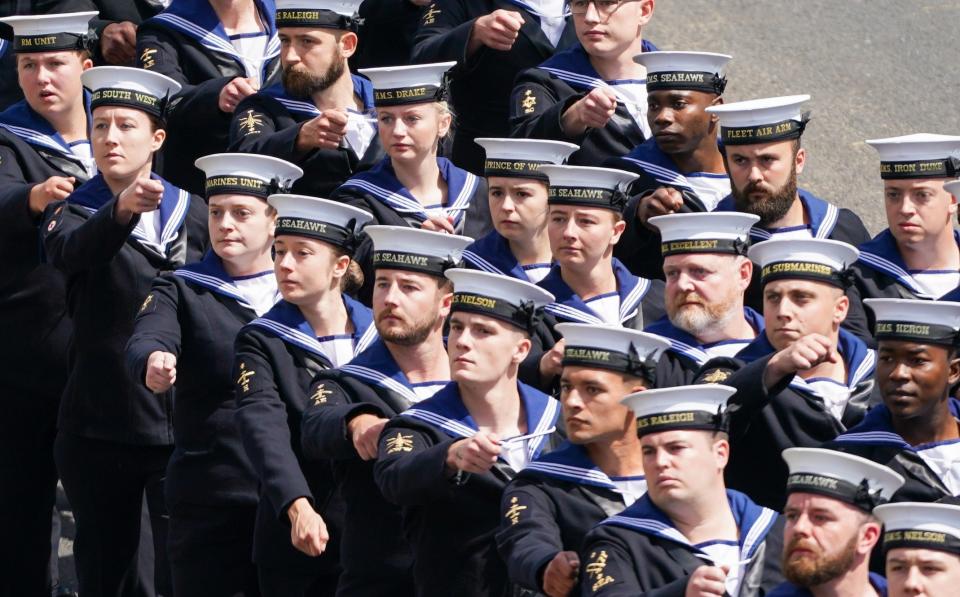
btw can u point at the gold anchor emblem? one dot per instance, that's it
(529, 102)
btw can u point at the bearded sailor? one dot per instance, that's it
(318, 115)
(551, 505)
(447, 460)
(349, 406)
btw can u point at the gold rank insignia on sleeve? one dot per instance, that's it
(596, 570)
(148, 59)
(513, 512)
(146, 301)
(244, 380)
(430, 17)
(529, 102)
(249, 123)
(715, 376)
(399, 443)
(320, 396)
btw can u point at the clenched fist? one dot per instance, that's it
(161, 371)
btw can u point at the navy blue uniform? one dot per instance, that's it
(640, 552)
(276, 357)
(269, 121)
(788, 589)
(187, 43)
(789, 414)
(541, 95)
(481, 84)
(449, 524)
(111, 428)
(550, 507)
(875, 439)
(210, 487)
(375, 555)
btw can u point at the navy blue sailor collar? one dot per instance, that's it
(570, 462)
(861, 360)
(683, 343)
(197, 19)
(568, 306)
(381, 182)
(446, 411)
(362, 88)
(209, 273)
(286, 321)
(822, 214)
(876, 429)
(882, 254)
(753, 521)
(492, 253)
(376, 365)
(95, 193)
(788, 589)
(573, 67)
(658, 165)
(21, 120)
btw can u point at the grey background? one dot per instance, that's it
(873, 68)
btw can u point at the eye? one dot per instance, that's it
(99, 126)
(456, 326)
(386, 119)
(243, 213)
(679, 105)
(215, 212)
(280, 252)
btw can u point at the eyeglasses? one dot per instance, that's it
(605, 8)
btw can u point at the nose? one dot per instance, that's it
(507, 203)
(756, 175)
(662, 117)
(900, 371)
(570, 230)
(593, 13)
(801, 526)
(661, 459)
(285, 262)
(913, 583)
(571, 400)
(289, 55)
(399, 129)
(685, 282)
(390, 295)
(907, 206)
(226, 222)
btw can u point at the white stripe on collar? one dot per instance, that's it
(213, 42)
(366, 339)
(903, 277)
(294, 336)
(661, 174)
(37, 138)
(172, 228)
(381, 380)
(216, 284)
(573, 473)
(592, 82)
(697, 355)
(455, 427)
(481, 263)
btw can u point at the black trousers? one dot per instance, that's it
(211, 549)
(282, 582)
(106, 483)
(28, 489)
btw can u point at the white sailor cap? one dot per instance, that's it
(819, 260)
(128, 87)
(688, 71)
(319, 219)
(922, 155)
(915, 320)
(247, 174)
(51, 33)
(920, 526)
(414, 84)
(712, 232)
(612, 348)
(588, 186)
(762, 120)
(416, 250)
(508, 299)
(845, 477)
(522, 158)
(952, 187)
(680, 407)
(323, 14)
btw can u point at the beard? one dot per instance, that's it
(773, 205)
(697, 319)
(299, 82)
(807, 572)
(407, 334)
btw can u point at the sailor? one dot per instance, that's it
(44, 154)
(918, 255)
(551, 505)
(707, 272)
(915, 431)
(349, 406)
(921, 545)
(680, 166)
(318, 115)
(220, 51)
(315, 326)
(447, 460)
(517, 190)
(761, 141)
(184, 338)
(493, 41)
(804, 380)
(830, 532)
(592, 93)
(111, 238)
(688, 535)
